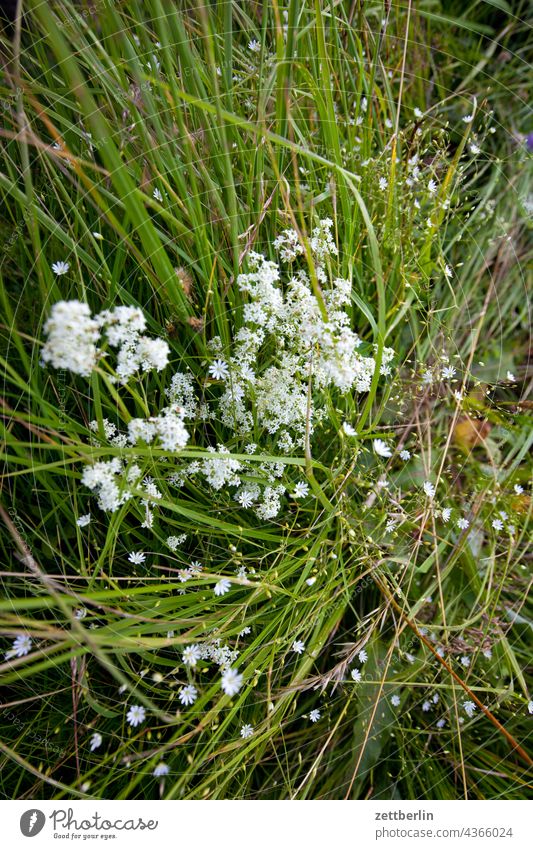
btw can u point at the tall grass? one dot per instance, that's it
(249, 119)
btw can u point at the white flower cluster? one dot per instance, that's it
(73, 336)
(181, 394)
(168, 427)
(312, 335)
(221, 470)
(300, 328)
(312, 342)
(213, 651)
(174, 542)
(112, 482)
(288, 245)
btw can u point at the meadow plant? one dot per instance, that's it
(266, 487)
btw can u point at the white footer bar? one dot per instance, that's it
(267, 824)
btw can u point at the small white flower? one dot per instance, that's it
(381, 448)
(356, 675)
(410, 657)
(363, 657)
(429, 489)
(21, 646)
(530, 706)
(383, 183)
(191, 655)
(497, 524)
(136, 715)
(441, 723)
(83, 521)
(245, 498)
(254, 45)
(348, 429)
(518, 489)
(60, 267)
(405, 454)
(448, 372)
(310, 581)
(246, 731)
(447, 271)
(160, 770)
(218, 370)
(487, 653)
(231, 682)
(426, 706)
(315, 715)
(445, 514)
(469, 708)
(432, 187)
(474, 149)
(395, 701)
(298, 647)
(463, 523)
(417, 112)
(188, 694)
(511, 377)
(80, 613)
(222, 587)
(465, 660)
(97, 235)
(96, 741)
(300, 490)
(157, 195)
(390, 526)
(468, 118)
(137, 557)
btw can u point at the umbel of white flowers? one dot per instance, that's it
(74, 335)
(314, 342)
